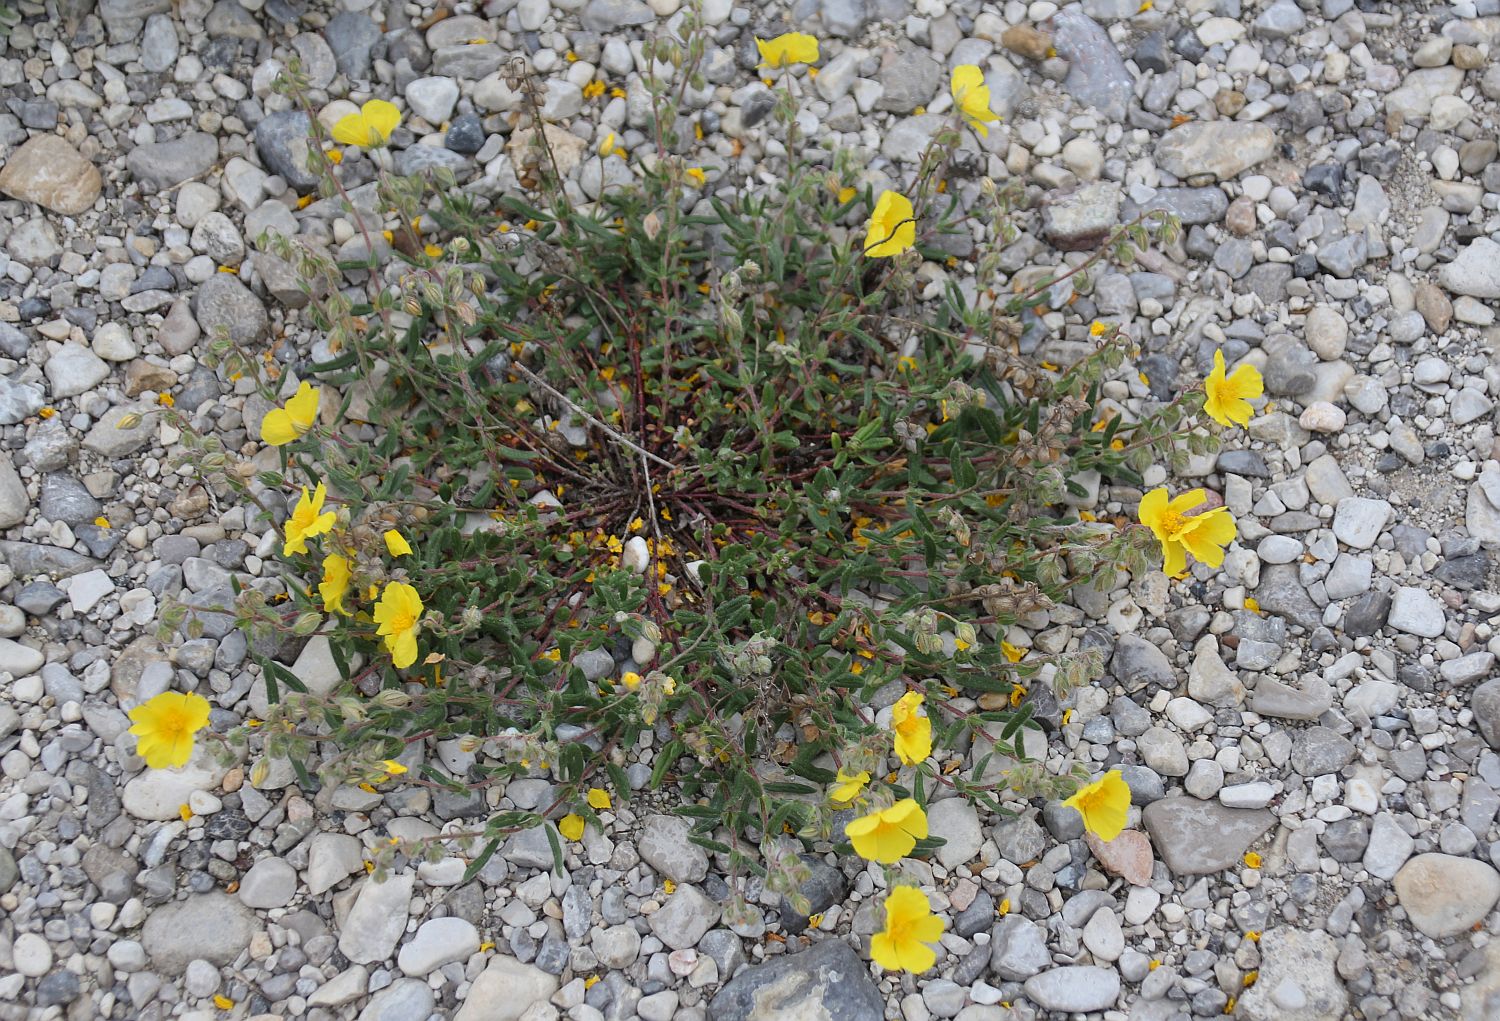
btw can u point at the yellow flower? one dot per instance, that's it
(909, 926)
(47, 412)
(307, 520)
(696, 176)
(165, 725)
(791, 48)
(185, 811)
(972, 97)
(166, 400)
(1103, 805)
(1013, 653)
(1227, 399)
(913, 732)
(1252, 860)
(888, 835)
(392, 767)
(223, 1002)
(598, 799)
(1202, 535)
(571, 826)
(371, 127)
(631, 680)
(1098, 328)
(283, 425)
(593, 90)
(399, 616)
(335, 583)
(396, 544)
(892, 228)
(848, 786)
(101, 522)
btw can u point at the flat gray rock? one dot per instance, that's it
(828, 983)
(1075, 989)
(1219, 149)
(167, 164)
(1195, 837)
(212, 926)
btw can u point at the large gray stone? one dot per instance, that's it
(212, 926)
(1297, 979)
(165, 165)
(224, 303)
(50, 172)
(1444, 894)
(664, 845)
(1138, 664)
(1195, 837)
(1097, 76)
(1075, 989)
(505, 990)
(1476, 271)
(1018, 948)
(1218, 149)
(14, 501)
(1486, 705)
(826, 983)
(377, 919)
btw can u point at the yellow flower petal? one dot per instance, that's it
(164, 727)
(396, 544)
(571, 826)
(892, 228)
(787, 49)
(598, 799)
(1104, 805)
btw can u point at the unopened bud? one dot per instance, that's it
(307, 623)
(392, 698)
(129, 421)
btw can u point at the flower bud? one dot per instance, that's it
(392, 698)
(307, 623)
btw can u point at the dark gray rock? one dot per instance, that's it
(465, 134)
(823, 889)
(911, 78)
(1346, 839)
(1281, 592)
(351, 36)
(977, 916)
(165, 165)
(1191, 206)
(1486, 705)
(281, 139)
(418, 159)
(1319, 750)
(1097, 77)
(1138, 664)
(28, 558)
(224, 302)
(1367, 614)
(64, 498)
(828, 981)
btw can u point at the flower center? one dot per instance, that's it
(1171, 522)
(402, 621)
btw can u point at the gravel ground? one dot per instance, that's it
(1326, 707)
